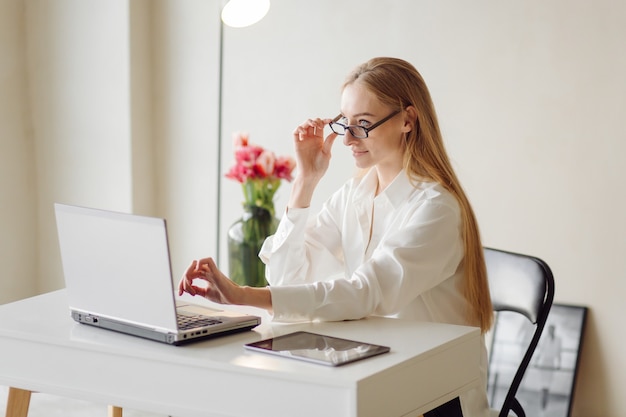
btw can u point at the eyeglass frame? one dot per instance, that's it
(366, 129)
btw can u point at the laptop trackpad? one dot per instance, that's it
(194, 309)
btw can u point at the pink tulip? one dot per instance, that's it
(240, 139)
(247, 155)
(284, 167)
(255, 162)
(265, 164)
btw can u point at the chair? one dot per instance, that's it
(521, 284)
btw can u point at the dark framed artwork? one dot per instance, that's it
(548, 385)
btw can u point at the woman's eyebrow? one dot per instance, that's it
(359, 115)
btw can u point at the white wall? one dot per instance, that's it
(18, 196)
(109, 104)
(185, 41)
(113, 104)
(79, 96)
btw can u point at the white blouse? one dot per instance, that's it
(396, 254)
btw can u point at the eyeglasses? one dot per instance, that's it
(358, 132)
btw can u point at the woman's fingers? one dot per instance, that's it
(197, 270)
(328, 142)
(204, 269)
(200, 291)
(200, 264)
(311, 128)
(185, 282)
(219, 288)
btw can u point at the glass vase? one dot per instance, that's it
(245, 238)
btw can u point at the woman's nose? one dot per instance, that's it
(348, 139)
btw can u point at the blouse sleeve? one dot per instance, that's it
(305, 250)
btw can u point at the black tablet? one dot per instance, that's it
(317, 348)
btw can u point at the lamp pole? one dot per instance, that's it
(238, 13)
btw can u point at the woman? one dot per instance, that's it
(400, 240)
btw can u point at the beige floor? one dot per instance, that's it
(45, 405)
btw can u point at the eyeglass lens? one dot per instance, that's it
(358, 132)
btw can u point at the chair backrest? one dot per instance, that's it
(522, 284)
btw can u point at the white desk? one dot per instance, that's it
(43, 349)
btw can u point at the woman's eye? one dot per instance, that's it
(364, 123)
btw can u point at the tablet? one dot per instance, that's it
(317, 348)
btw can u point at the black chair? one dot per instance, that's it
(521, 284)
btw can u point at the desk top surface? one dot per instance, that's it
(46, 319)
(42, 325)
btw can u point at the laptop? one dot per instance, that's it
(118, 276)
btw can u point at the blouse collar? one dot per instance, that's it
(396, 193)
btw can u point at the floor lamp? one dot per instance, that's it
(236, 14)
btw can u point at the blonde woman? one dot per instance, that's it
(400, 240)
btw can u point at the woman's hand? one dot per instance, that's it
(313, 153)
(220, 288)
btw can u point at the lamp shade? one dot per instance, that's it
(242, 13)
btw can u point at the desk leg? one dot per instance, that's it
(114, 411)
(18, 402)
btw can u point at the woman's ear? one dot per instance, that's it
(410, 119)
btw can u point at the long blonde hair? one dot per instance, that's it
(398, 84)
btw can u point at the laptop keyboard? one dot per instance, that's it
(186, 322)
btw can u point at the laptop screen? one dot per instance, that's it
(117, 265)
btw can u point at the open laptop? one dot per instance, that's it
(118, 276)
